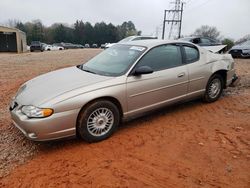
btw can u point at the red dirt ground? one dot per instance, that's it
(189, 145)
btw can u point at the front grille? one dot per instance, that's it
(235, 53)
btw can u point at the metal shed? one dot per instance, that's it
(12, 40)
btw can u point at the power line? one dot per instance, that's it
(200, 5)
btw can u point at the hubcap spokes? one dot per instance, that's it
(214, 88)
(100, 121)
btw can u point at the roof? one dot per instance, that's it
(10, 29)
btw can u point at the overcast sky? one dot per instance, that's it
(231, 17)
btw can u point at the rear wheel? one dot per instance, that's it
(98, 121)
(214, 88)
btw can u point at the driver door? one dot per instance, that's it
(168, 83)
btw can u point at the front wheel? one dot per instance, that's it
(98, 121)
(214, 88)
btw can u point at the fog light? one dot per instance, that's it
(32, 135)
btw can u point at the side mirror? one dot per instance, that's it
(143, 70)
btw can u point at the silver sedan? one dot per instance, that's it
(124, 81)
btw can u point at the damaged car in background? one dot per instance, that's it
(241, 50)
(207, 43)
(125, 81)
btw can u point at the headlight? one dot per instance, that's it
(246, 50)
(34, 112)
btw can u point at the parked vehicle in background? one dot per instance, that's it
(69, 46)
(122, 82)
(103, 45)
(53, 47)
(131, 38)
(241, 50)
(207, 43)
(94, 46)
(79, 46)
(37, 46)
(87, 46)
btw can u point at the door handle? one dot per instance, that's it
(181, 74)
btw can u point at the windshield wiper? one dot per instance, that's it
(88, 71)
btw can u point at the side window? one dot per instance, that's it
(138, 38)
(192, 54)
(205, 41)
(196, 41)
(145, 38)
(162, 57)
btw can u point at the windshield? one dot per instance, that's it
(114, 61)
(186, 39)
(247, 43)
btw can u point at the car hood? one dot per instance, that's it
(214, 49)
(50, 85)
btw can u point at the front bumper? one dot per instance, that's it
(230, 76)
(56, 126)
(239, 53)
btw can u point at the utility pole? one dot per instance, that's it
(176, 14)
(164, 24)
(179, 34)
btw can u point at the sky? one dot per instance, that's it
(230, 17)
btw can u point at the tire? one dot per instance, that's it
(98, 121)
(214, 88)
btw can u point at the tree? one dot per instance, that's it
(12, 22)
(127, 29)
(79, 36)
(19, 25)
(207, 31)
(79, 33)
(60, 34)
(228, 42)
(37, 32)
(88, 33)
(243, 39)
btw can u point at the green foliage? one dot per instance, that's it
(228, 42)
(79, 33)
(105, 33)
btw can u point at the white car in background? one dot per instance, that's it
(53, 48)
(131, 38)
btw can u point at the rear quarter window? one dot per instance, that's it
(191, 53)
